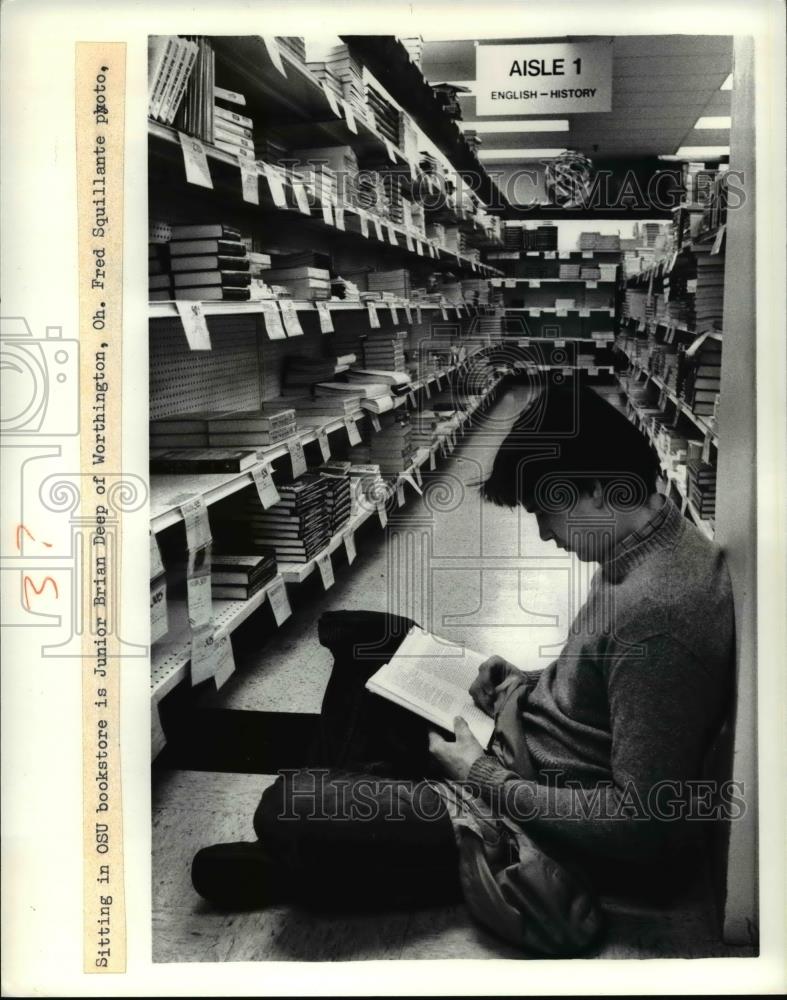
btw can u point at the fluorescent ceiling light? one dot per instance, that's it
(555, 125)
(727, 85)
(520, 154)
(713, 122)
(701, 152)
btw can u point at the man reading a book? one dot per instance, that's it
(597, 756)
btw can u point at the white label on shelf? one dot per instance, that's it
(157, 738)
(159, 619)
(382, 514)
(534, 312)
(272, 48)
(272, 316)
(400, 494)
(297, 458)
(591, 284)
(349, 546)
(202, 661)
(427, 390)
(560, 343)
(324, 315)
(249, 181)
(458, 312)
(411, 398)
(301, 198)
(325, 447)
(432, 461)
(561, 313)
(394, 313)
(375, 421)
(392, 235)
(418, 478)
(349, 117)
(718, 241)
(584, 313)
(587, 254)
(390, 150)
(352, 430)
(195, 326)
(332, 101)
(433, 250)
(419, 316)
(419, 248)
(509, 283)
(195, 161)
(327, 212)
(408, 240)
(374, 320)
(275, 184)
(156, 564)
(266, 488)
(280, 603)
(290, 316)
(339, 217)
(378, 228)
(225, 667)
(407, 477)
(325, 566)
(408, 312)
(443, 311)
(549, 255)
(364, 222)
(532, 283)
(198, 598)
(195, 516)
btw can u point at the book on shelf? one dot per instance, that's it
(214, 293)
(204, 231)
(210, 262)
(195, 112)
(219, 246)
(233, 117)
(223, 279)
(431, 677)
(333, 405)
(203, 460)
(271, 418)
(170, 63)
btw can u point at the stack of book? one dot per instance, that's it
(386, 116)
(375, 396)
(570, 272)
(196, 112)
(209, 261)
(159, 278)
(396, 282)
(340, 62)
(326, 76)
(321, 183)
(254, 429)
(182, 430)
(385, 352)
(391, 449)
(170, 64)
(415, 48)
(367, 485)
(513, 237)
(703, 374)
(590, 273)
(232, 130)
(423, 424)
(398, 383)
(298, 527)
(701, 486)
(339, 497)
(329, 404)
(194, 461)
(543, 237)
(295, 45)
(312, 283)
(302, 373)
(709, 297)
(239, 577)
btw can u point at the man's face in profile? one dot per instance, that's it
(584, 528)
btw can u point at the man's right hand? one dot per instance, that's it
(491, 674)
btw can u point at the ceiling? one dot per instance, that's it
(661, 85)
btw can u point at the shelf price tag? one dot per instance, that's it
(389, 147)
(325, 566)
(203, 662)
(432, 460)
(272, 317)
(394, 313)
(195, 326)
(409, 242)
(718, 241)
(195, 516)
(339, 216)
(378, 228)
(297, 458)
(349, 117)
(248, 182)
(290, 316)
(159, 618)
(352, 430)
(324, 315)
(327, 213)
(272, 48)
(276, 185)
(301, 198)
(562, 313)
(195, 161)
(158, 740)
(322, 441)
(280, 603)
(156, 564)
(200, 607)
(427, 390)
(332, 101)
(414, 480)
(364, 223)
(458, 312)
(400, 494)
(419, 249)
(392, 235)
(560, 343)
(374, 320)
(266, 488)
(443, 311)
(382, 514)
(584, 313)
(225, 666)
(419, 316)
(349, 546)
(408, 312)
(591, 284)
(375, 421)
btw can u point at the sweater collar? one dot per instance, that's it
(660, 532)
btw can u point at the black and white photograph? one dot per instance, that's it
(393, 431)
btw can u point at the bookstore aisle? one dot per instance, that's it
(192, 808)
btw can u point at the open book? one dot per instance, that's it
(431, 677)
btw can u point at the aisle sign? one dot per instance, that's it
(565, 78)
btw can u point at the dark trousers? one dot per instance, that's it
(360, 826)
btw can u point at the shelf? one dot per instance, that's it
(164, 139)
(168, 309)
(699, 422)
(642, 326)
(553, 311)
(536, 282)
(528, 341)
(555, 254)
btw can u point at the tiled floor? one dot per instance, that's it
(485, 578)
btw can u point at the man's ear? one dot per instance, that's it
(597, 496)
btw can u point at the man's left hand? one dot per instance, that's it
(458, 757)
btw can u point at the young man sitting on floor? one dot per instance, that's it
(593, 756)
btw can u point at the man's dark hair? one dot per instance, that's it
(561, 443)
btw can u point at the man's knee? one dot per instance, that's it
(295, 796)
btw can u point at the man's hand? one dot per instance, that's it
(491, 674)
(458, 757)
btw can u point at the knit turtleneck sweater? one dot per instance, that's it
(595, 750)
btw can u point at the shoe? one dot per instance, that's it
(237, 876)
